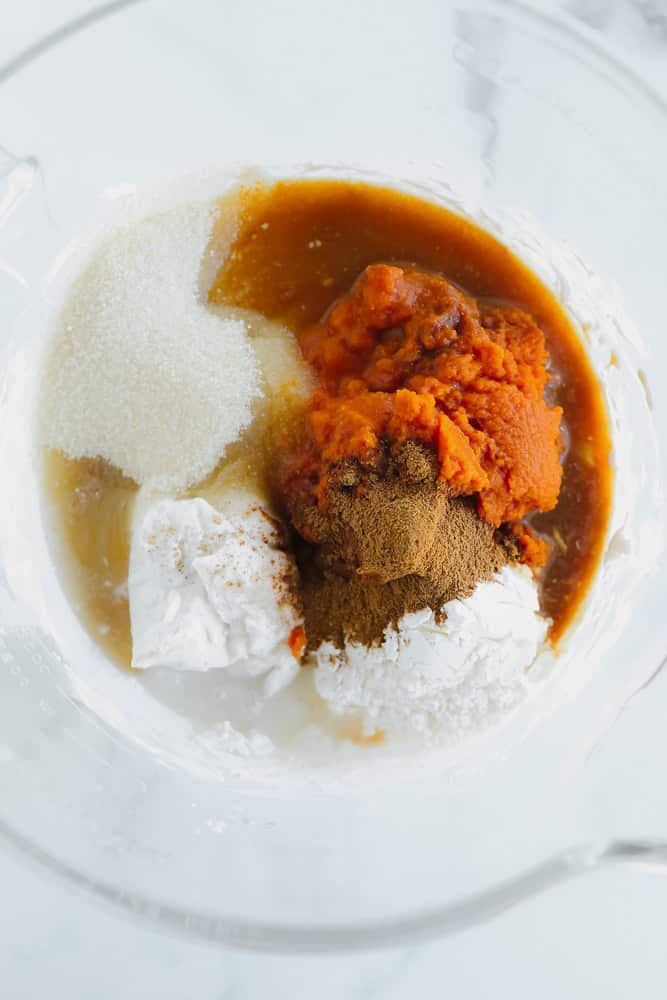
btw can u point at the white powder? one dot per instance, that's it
(441, 680)
(141, 373)
(212, 591)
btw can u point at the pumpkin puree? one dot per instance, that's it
(407, 356)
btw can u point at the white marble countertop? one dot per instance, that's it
(601, 937)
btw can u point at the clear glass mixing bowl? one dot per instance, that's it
(528, 119)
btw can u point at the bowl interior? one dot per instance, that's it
(515, 119)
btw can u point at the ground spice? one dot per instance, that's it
(387, 543)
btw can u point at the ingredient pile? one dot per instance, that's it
(425, 401)
(319, 474)
(429, 437)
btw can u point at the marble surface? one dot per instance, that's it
(598, 937)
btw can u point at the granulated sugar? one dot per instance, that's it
(140, 372)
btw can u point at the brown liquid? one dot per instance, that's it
(91, 504)
(301, 244)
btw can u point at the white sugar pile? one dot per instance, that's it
(140, 372)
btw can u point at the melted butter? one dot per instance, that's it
(91, 503)
(355, 734)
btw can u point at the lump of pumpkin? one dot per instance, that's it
(408, 356)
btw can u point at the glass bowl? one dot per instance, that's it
(526, 124)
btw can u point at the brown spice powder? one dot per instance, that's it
(385, 545)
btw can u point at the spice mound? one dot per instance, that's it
(408, 356)
(383, 545)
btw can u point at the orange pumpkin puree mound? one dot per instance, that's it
(297, 641)
(534, 550)
(407, 356)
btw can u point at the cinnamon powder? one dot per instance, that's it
(386, 543)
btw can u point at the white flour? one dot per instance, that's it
(441, 680)
(211, 591)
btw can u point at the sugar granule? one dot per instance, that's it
(140, 373)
